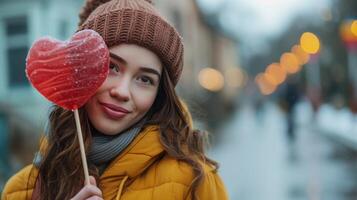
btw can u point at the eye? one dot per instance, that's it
(114, 67)
(146, 80)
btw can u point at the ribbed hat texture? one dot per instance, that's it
(135, 22)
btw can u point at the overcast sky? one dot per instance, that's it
(254, 21)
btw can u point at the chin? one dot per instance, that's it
(107, 127)
(114, 131)
(109, 132)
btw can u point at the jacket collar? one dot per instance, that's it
(138, 156)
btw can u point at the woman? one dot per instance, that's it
(138, 134)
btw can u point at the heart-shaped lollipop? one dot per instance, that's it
(68, 73)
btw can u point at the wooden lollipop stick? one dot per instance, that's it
(81, 145)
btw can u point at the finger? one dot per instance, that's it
(87, 191)
(92, 180)
(95, 198)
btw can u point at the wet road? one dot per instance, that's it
(258, 162)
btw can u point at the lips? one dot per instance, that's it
(113, 111)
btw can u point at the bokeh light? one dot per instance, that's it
(354, 28)
(277, 72)
(310, 43)
(235, 77)
(290, 63)
(300, 54)
(348, 32)
(264, 85)
(270, 79)
(211, 79)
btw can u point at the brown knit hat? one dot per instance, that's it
(135, 22)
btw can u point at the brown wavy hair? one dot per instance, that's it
(61, 174)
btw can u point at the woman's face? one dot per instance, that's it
(129, 90)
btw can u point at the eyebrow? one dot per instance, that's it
(144, 69)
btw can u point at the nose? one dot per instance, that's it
(121, 90)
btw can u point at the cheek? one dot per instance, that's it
(90, 107)
(143, 100)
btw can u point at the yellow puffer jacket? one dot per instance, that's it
(142, 171)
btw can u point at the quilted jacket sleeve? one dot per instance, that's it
(212, 188)
(20, 185)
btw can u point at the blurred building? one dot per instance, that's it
(22, 110)
(206, 46)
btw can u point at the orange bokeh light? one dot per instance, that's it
(277, 72)
(264, 85)
(290, 63)
(354, 28)
(347, 31)
(211, 79)
(310, 43)
(300, 54)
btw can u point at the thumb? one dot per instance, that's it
(92, 181)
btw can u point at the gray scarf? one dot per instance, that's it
(104, 148)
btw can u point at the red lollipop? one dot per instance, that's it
(68, 73)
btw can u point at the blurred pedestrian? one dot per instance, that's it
(291, 97)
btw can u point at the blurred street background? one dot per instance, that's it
(274, 82)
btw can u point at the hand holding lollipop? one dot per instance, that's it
(69, 73)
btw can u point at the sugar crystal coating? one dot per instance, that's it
(68, 73)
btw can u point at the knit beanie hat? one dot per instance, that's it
(135, 22)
